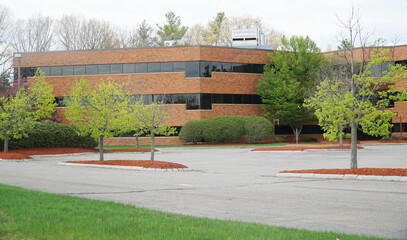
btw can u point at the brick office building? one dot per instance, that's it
(199, 82)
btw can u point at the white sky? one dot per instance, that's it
(315, 18)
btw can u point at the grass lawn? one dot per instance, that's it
(26, 214)
(194, 145)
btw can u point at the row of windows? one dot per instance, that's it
(192, 100)
(191, 69)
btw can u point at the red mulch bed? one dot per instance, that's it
(14, 156)
(135, 163)
(357, 171)
(300, 148)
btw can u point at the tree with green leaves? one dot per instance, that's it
(286, 82)
(214, 35)
(98, 110)
(143, 36)
(336, 105)
(171, 30)
(20, 109)
(149, 120)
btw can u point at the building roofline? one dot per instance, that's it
(403, 45)
(134, 48)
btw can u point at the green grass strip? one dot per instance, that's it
(195, 146)
(27, 214)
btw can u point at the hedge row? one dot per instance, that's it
(226, 129)
(52, 134)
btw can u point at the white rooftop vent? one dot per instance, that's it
(248, 36)
(169, 43)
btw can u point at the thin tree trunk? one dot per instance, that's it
(137, 144)
(152, 147)
(340, 136)
(5, 142)
(354, 145)
(296, 137)
(101, 148)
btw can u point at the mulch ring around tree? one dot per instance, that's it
(357, 171)
(16, 154)
(135, 163)
(302, 148)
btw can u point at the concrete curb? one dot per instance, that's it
(344, 177)
(124, 167)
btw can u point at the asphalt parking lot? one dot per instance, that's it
(236, 184)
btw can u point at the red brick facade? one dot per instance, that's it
(175, 82)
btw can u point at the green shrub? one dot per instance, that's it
(52, 134)
(279, 139)
(309, 139)
(257, 128)
(227, 129)
(386, 138)
(347, 136)
(191, 132)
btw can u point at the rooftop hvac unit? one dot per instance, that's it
(169, 43)
(248, 36)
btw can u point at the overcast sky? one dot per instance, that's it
(315, 18)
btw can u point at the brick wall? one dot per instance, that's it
(134, 55)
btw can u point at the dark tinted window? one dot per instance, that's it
(257, 99)
(193, 101)
(56, 71)
(311, 129)
(104, 69)
(237, 98)
(217, 98)
(206, 101)
(179, 66)
(226, 67)
(227, 98)
(257, 68)
(247, 67)
(216, 66)
(237, 67)
(91, 69)
(46, 70)
(205, 69)
(147, 99)
(179, 98)
(79, 70)
(167, 67)
(283, 129)
(153, 67)
(247, 99)
(116, 68)
(67, 70)
(128, 68)
(192, 69)
(141, 67)
(158, 98)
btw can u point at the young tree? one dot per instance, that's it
(21, 108)
(353, 36)
(149, 120)
(215, 34)
(338, 104)
(99, 112)
(286, 83)
(171, 30)
(143, 37)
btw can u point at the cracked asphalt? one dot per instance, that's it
(236, 184)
